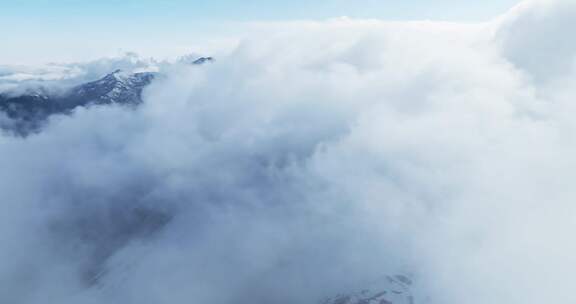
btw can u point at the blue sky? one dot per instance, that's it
(29, 25)
(258, 9)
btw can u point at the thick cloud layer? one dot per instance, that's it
(315, 158)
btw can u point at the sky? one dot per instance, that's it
(78, 30)
(257, 9)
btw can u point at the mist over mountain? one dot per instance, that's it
(326, 162)
(26, 111)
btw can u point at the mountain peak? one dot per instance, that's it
(203, 60)
(29, 110)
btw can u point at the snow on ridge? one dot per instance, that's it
(387, 290)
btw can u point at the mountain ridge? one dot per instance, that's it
(26, 113)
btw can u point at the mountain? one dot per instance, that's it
(388, 290)
(203, 60)
(117, 87)
(26, 113)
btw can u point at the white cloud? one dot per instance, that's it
(313, 158)
(533, 37)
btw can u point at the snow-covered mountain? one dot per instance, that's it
(388, 290)
(25, 113)
(117, 87)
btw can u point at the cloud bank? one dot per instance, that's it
(314, 158)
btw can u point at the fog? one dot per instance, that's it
(315, 157)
